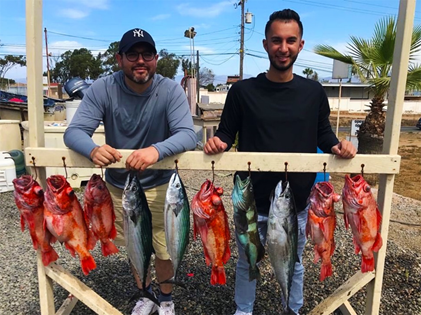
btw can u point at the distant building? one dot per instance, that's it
(231, 79)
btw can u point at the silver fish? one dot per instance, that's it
(245, 220)
(177, 221)
(282, 237)
(138, 229)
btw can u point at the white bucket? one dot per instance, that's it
(71, 107)
(7, 172)
(10, 138)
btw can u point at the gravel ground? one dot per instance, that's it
(113, 281)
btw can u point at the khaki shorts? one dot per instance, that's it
(156, 202)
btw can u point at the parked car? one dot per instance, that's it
(418, 125)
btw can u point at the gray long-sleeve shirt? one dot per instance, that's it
(159, 117)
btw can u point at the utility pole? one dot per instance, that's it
(198, 78)
(48, 63)
(242, 38)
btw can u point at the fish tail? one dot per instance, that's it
(254, 273)
(326, 271)
(88, 263)
(316, 255)
(218, 275)
(367, 263)
(49, 256)
(108, 248)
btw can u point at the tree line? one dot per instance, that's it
(84, 64)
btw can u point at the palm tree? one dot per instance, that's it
(372, 61)
(308, 72)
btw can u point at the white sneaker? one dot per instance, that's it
(167, 308)
(238, 312)
(144, 307)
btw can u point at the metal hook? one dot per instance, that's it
(102, 173)
(324, 171)
(362, 170)
(249, 163)
(176, 165)
(35, 168)
(286, 171)
(64, 165)
(213, 171)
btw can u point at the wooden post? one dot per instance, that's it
(391, 140)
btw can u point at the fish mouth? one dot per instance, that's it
(324, 188)
(56, 182)
(24, 182)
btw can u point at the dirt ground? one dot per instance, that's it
(405, 226)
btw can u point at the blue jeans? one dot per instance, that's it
(245, 290)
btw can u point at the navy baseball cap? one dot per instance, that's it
(133, 37)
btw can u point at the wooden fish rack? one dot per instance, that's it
(387, 165)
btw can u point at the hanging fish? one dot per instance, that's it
(362, 214)
(99, 214)
(211, 223)
(282, 237)
(321, 224)
(64, 219)
(29, 198)
(177, 222)
(245, 220)
(137, 219)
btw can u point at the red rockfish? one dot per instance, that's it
(362, 214)
(64, 218)
(321, 224)
(211, 222)
(99, 214)
(29, 198)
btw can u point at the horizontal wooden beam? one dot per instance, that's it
(81, 291)
(232, 161)
(343, 293)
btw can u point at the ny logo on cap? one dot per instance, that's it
(137, 33)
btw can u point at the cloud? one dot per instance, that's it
(59, 47)
(94, 4)
(209, 11)
(160, 17)
(73, 13)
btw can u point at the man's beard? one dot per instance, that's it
(282, 68)
(142, 80)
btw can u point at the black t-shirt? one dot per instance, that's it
(277, 117)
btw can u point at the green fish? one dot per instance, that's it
(245, 219)
(138, 230)
(177, 222)
(282, 237)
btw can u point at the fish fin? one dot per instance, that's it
(108, 248)
(254, 273)
(174, 282)
(34, 240)
(70, 249)
(332, 248)
(22, 223)
(58, 225)
(88, 263)
(113, 232)
(367, 263)
(218, 275)
(377, 243)
(87, 212)
(150, 296)
(346, 220)
(49, 256)
(227, 254)
(326, 271)
(92, 239)
(357, 247)
(316, 255)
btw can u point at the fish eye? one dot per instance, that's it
(367, 188)
(178, 185)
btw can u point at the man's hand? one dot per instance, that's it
(344, 149)
(140, 159)
(214, 145)
(105, 155)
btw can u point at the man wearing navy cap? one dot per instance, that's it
(147, 113)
